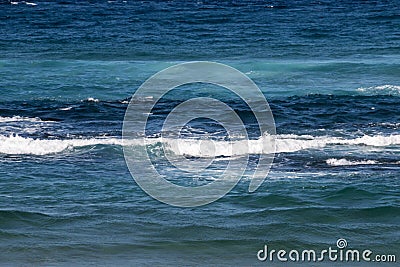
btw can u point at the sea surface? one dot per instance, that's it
(330, 71)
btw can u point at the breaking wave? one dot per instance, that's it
(380, 89)
(345, 162)
(18, 145)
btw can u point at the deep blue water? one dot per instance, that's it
(329, 69)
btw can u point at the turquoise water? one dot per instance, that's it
(329, 69)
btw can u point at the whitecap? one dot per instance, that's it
(19, 118)
(15, 144)
(66, 108)
(91, 99)
(380, 89)
(345, 162)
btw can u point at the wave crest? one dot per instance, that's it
(380, 89)
(17, 145)
(345, 162)
(19, 118)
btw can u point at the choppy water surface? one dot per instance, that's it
(329, 69)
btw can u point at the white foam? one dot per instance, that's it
(31, 4)
(387, 124)
(18, 118)
(284, 144)
(376, 141)
(386, 89)
(16, 145)
(345, 162)
(64, 109)
(91, 99)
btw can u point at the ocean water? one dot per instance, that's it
(329, 69)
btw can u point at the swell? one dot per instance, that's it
(11, 218)
(297, 112)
